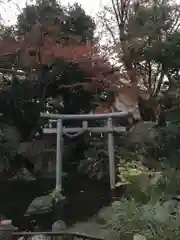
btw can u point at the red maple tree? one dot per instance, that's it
(35, 49)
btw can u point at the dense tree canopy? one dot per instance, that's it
(143, 37)
(66, 24)
(51, 61)
(53, 47)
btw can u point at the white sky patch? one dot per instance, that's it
(11, 9)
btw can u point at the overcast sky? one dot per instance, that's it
(9, 11)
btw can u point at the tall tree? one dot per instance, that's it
(68, 24)
(143, 37)
(53, 48)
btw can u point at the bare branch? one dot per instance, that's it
(160, 80)
(119, 9)
(175, 25)
(111, 32)
(117, 17)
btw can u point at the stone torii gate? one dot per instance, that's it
(71, 132)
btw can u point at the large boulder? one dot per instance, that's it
(40, 205)
(9, 144)
(59, 226)
(91, 228)
(142, 133)
(9, 137)
(24, 175)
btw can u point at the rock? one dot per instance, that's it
(141, 133)
(11, 135)
(58, 226)
(40, 205)
(40, 237)
(9, 144)
(139, 237)
(90, 228)
(24, 174)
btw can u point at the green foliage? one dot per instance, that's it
(130, 172)
(73, 22)
(144, 36)
(165, 149)
(160, 36)
(22, 100)
(153, 221)
(6, 31)
(96, 158)
(95, 162)
(147, 209)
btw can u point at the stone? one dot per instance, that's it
(58, 226)
(9, 144)
(11, 135)
(24, 174)
(139, 237)
(90, 228)
(40, 205)
(142, 133)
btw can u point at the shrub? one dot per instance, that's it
(151, 221)
(147, 210)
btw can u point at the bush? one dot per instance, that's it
(140, 182)
(96, 158)
(150, 221)
(95, 164)
(166, 148)
(147, 210)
